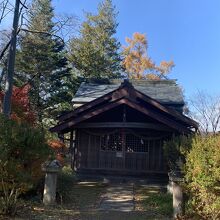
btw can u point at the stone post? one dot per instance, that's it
(178, 204)
(51, 170)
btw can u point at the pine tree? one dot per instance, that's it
(42, 62)
(96, 52)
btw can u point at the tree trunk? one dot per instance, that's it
(11, 63)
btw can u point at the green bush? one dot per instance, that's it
(199, 158)
(65, 182)
(23, 149)
(175, 151)
(202, 174)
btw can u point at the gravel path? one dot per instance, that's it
(118, 197)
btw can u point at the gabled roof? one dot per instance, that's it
(164, 91)
(126, 94)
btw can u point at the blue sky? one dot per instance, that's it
(186, 31)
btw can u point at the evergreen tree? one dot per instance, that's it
(42, 62)
(95, 52)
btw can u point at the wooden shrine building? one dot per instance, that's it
(118, 127)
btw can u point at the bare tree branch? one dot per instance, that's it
(31, 31)
(9, 42)
(206, 110)
(65, 26)
(23, 4)
(42, 32)
(3, 7)
(6, 47)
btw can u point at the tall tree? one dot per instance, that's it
(95, 53)
(137, 62)
(42, 62)
(11, 63)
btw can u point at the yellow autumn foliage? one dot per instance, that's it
(137, 62)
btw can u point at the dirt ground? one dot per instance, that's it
(84, 199)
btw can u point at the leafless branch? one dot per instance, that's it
(9, 42)
(23, 4)
(31, 31)
(206, 110)
(42, 32)
(3, 7)
(6, 47)
(65, 25)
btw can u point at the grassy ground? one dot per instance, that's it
(84, 198)
(153, 199)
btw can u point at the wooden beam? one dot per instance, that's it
(166, 109)
(123, 91)
(63, 127)
(153, 126)
(83, 108)
(114, 95)
(121, 171)
(171, 123)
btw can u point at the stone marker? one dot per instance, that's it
(176, 180)
(51, 169)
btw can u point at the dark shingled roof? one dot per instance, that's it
(164, 91)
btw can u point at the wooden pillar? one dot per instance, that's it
(61, 137)
(76, 145)
(71, 150)
(123, 135)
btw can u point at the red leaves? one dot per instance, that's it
(20, 105)
(20, 96)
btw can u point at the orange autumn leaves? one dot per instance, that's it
(59, 148)
(138, 64)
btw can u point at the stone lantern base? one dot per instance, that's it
(175, 180)
(51, 169)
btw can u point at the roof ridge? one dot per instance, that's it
(132, 81)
